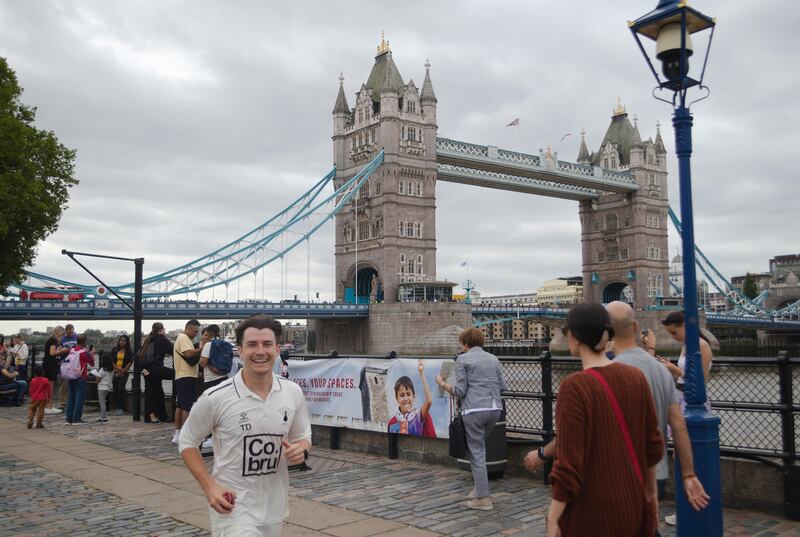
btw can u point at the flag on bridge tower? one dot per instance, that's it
(514, 123)
(463, 263)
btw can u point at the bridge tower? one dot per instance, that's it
(387, 234)
(624, 236)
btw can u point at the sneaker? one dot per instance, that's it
(52, 410)
(101, 419)
(482, 504)
(176, 436)
(69, 423)
(30, 425)
(472, 494)
(40, 426)
(671, 519)
(207, 444)
(118, 412)
(78, 422)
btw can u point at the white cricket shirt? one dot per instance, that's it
(248, 455)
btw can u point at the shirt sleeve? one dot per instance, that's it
(183, 344)
(199, 425)
(461, 385)
(206, 352)
(301, 423)
(501, 378)
(572, 423)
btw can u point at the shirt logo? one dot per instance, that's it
(244, 422)
(261, 454)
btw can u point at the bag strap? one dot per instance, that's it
(620, 421)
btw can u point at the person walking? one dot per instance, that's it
(53, 351)
(122, 357)
(76, 388)
(40, 395)
(479, 381)
(260, 425)
(155, 347)
(604, 474)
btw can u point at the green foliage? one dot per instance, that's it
(749, 287)
(36, 172)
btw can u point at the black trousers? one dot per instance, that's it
(119, 391)
(154, 392)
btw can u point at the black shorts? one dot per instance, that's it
(185, 392)
(211, 383)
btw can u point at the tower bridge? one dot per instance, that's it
(388, 159)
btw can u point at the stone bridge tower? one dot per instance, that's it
(624, 236)
(387, 234)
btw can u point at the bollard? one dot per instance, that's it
(547, 408)
(394, 448)
(791, 472)
(335, 440)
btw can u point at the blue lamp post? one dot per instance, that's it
(670, 25)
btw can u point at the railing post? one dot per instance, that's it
(335, 439)
(791, 471)
(547, 406)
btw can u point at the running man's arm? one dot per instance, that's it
(299, 435)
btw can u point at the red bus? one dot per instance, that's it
(58, 293)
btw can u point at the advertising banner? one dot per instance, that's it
(397, 395)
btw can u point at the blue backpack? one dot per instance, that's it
(221, 355)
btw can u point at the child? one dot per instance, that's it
(40, 397)
(409, 420)
(105, 377)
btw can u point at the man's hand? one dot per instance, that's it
(695, 493)
(532, 462)
(294, 453)
(439, 379)
(220, 498)
(553, 529)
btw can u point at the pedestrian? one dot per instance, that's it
(665, 398)
(105, 377)
(9, 381)
(76, 388)
(40, 395)
(122, 356)
(19, 352)
(68, 340)
(260, 425)
(479, 381)
(187, 371)
(3, 349)
(151, 357)
(53, 351)
(604, 474)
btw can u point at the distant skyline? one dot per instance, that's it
(196, 121)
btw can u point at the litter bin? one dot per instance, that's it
(496, 450)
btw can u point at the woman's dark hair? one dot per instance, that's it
(127, 341)
(107, 361)
(38, 371)
(589, 324)
(259, 322)
(157, 327)
(674, 319)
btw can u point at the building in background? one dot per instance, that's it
(560, 292)
(521, 299)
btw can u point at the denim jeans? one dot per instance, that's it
(21, 386)
(76, 390)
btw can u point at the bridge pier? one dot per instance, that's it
(413, 328)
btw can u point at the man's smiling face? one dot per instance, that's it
(259, 350)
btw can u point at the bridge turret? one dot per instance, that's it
(429, 102)
(583, 153)
(341, 118)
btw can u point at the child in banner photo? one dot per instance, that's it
(410, 420)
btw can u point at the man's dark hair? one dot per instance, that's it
(192, 322)
(212, 330)
(81, 339)
(674, 319)
(38, 371)
(259, 322)
(404, 382)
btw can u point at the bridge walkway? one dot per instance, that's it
(127, 478)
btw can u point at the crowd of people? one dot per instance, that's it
(609, 463)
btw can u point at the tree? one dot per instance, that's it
(36, 172)
(749, 287)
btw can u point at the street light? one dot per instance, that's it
(670, 25)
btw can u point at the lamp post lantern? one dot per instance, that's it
(670, 25)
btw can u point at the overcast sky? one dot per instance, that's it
(194, 121)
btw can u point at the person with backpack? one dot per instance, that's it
(151, 357)
(216, 358)
(75, 370)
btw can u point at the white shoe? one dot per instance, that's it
(207, 444)
(176, 436)
(671, 519)
(52, 410)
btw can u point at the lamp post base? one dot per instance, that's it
(704, 433)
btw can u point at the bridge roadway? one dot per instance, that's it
(114, 309)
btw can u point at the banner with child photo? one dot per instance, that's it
(393, 395)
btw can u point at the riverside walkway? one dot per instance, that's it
(125, 478)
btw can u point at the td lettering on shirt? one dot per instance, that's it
(262, 453)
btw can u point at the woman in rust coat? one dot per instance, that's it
(597, 490)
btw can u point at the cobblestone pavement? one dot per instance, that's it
(29, 501)
(424, 496)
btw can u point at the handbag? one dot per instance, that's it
(626, 435)
(457, 435)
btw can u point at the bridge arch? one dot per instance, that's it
(363, 292)
(618, 290)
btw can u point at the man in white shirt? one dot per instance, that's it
(260, 425)
(19, 352)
